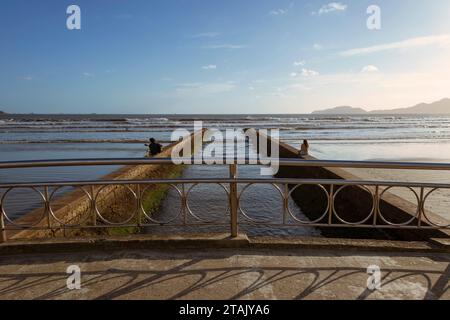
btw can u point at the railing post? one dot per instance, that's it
(47, 211)
(3, 237)
(376, 206)
(233, 201)
(421, 207)
(92, 206)
(183, 204)
(139, 203)
(285, 203)
(331, 205)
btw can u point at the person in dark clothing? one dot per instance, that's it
(154, 148)
(304, 149)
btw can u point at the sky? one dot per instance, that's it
(221, 56)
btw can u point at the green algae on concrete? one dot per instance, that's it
(151, 202)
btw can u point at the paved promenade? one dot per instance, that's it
(228, 273)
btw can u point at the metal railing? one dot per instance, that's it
(94, 192)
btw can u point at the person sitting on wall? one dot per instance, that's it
(154, 148)
(304, 149)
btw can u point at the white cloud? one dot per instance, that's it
(369, 68)
(88, 74)
(305, 73)
(259, 81)
(436, 40)
(26, 78)
(297, 86)
(309, 73)
(294, 87)
(331, 7)
(210, 67)
(278, 12)
(288, 91)
(299, 63)
(206, 35)
(317, 46)
(204, 89)
(280, 94)
(224, 46)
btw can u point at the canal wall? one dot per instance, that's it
(353, 203)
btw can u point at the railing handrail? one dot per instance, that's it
(290, 181)
(239, 161)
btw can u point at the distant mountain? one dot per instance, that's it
(1, 112)
(341, 110)
(438, 107)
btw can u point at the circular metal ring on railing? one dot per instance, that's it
(3, 212)
(64, 224)
(116, 223)
(371, 213)
(425, 214)
(245, 214)
(189, 210)
(309, 222)
(148, 216)
(404, 223)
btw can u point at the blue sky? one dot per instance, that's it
(217, 56)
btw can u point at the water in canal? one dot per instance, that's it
(208, 203)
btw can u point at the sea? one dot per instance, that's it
(409, 138)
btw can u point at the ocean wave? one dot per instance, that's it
(24, 141)
(143, 120)
(132, 128)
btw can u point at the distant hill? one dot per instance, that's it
(341, 110)
(1, 112)
(438, 107)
